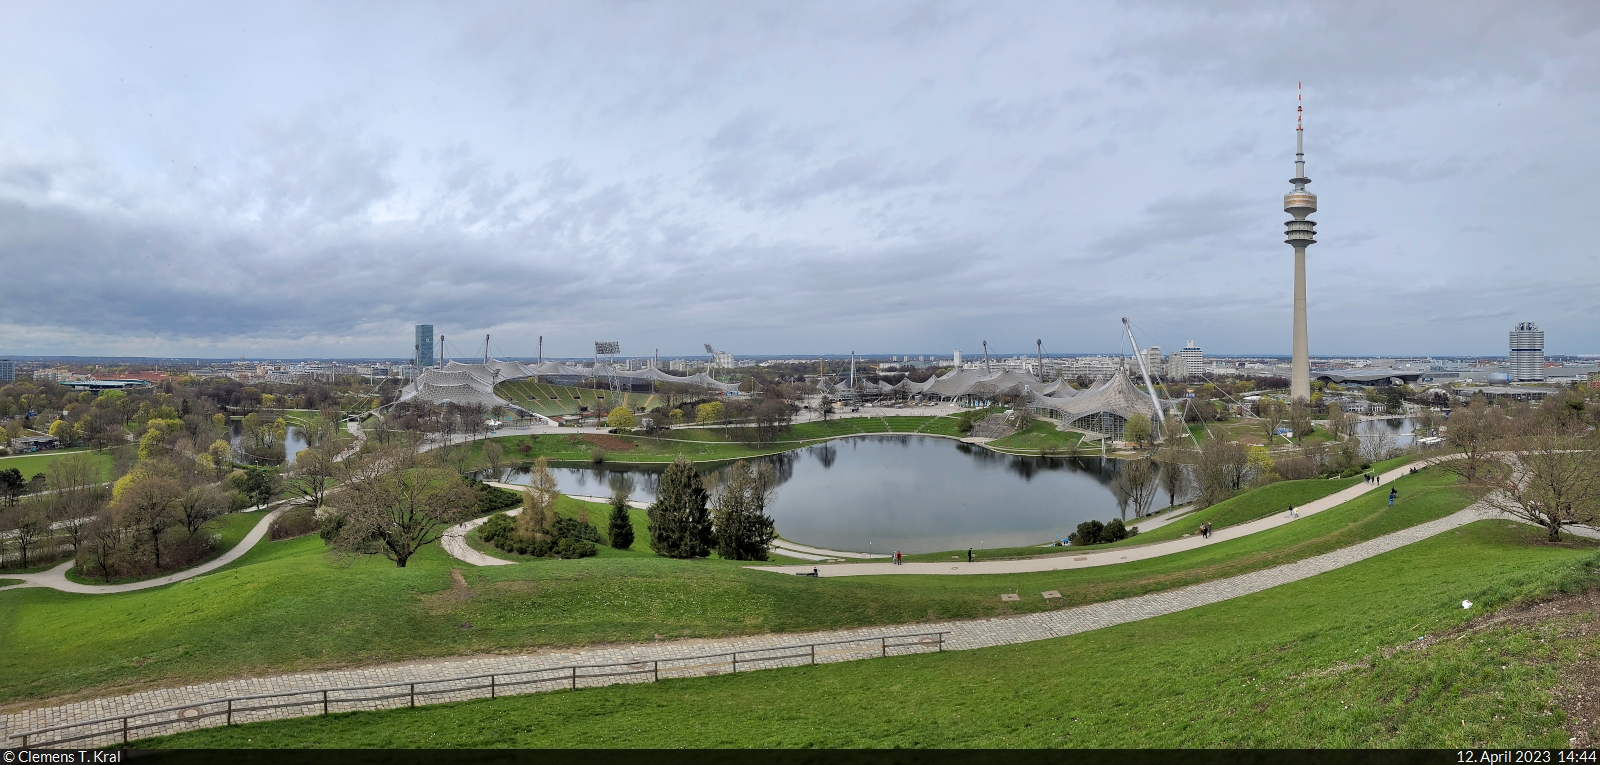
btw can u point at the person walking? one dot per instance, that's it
(1392, 495)
(969, 554)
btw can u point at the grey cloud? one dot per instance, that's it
(790, 178)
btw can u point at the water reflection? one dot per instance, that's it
(910, 493)
(279, 454)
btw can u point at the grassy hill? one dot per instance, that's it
(1377, 654)
(287, 606)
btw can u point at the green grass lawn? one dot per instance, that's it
(32, 464)
(1040, 435)
(1331, 661)
(9, 582)
(232, 527)
(287, 606)
(1252, 505)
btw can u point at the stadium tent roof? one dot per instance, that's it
(459, 383)
(1102, 409)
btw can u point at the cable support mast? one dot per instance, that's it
(1139, 357)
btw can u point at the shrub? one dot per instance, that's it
(493, 498)
(1088, 533)
(296, 522)
(497, 527)
(574, 548)
(1097, 533)
(567, 537)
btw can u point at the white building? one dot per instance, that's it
(1152, 360)
(1189, 361)
(1527, 353)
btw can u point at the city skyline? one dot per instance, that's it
(304, 181)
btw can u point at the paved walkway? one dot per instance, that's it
(56, 578)
(963, 635)
(1100, 557)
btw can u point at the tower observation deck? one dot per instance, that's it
(1300, 234)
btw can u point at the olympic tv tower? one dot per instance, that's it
(1301, 233)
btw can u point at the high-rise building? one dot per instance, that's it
(1301, 233)
(422, 352)
(8, 370)
(1527, 353)
(1185, 362)
(1152, 360)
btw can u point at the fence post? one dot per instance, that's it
(884, 646)
(574, 678)
(413, 695)
(941, 642)
(735, 656)
(124, 730)
(324, 702)
(813, 654)
(491, 686)
(230, 711)
(655, 671)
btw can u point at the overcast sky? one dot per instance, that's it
(275, 179)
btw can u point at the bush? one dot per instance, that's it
(1088, 533)
(1097, 533)
(493, 498)
(296, 522)
(568, 538)
(574, 548)
(497, 527)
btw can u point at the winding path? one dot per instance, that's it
(962, 635)
(56, 578)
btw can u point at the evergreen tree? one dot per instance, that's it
(743, 529)
(620, 531)
(680, 526)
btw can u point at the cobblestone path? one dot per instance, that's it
(962, 635)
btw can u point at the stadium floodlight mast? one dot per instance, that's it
(609, 348)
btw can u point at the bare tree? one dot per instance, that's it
(1300, 420)
(1548, 478)
(103, 543)
(495, 455)
(1220, 471)
(1473, 431)
(396, 501)
(1377, 445)
(1338, 422)
(313, 473)
(28, 525)
(1137, 479)
(76, 480)
(147, 505)
(1174, 476)
(199, 505)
